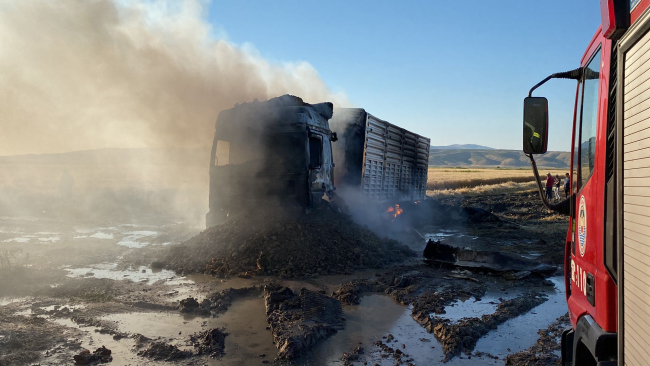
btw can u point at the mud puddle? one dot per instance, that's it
(447, 233)
(121, 350)
(136, 239)
(4, 301)
(141, 274)
(373, 320)
(520, 333)
(470, 308)
(245, 323)
(171, 328)
(379, 318)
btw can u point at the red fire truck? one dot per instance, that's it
(607, 253)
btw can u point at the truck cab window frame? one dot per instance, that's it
(576, 144)
(315, 151)
(588, 120)
(222, 153)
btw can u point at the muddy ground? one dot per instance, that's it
(69, 286)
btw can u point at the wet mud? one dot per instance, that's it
(300, 320)
(285, 243)
(546, 350)
(103, 284)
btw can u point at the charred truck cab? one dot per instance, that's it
(276, 152)
(607, 252)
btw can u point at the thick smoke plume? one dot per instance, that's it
(91, 74)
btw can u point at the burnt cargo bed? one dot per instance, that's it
(381, 160)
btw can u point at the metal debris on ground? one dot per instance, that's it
(496, 261)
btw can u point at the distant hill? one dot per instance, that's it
(494, 158)
(100, 157)
(461, 147)
(464, 157)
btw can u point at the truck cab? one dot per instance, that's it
(276, 152)
(591, 268)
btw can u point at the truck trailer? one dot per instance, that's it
(377, 159)
(607, 252)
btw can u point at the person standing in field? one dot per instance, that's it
(567, 180)
(557, 187)
(549, 186)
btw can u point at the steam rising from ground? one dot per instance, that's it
(92, 74)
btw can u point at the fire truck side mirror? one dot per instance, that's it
(535, 125)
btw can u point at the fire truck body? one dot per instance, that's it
(607, 253)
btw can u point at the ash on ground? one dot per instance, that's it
(287, 244)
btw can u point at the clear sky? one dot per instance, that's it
(455, 71)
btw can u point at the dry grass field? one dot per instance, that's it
(455, 178)
(477, 181)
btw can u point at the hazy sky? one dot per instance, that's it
(455, 71)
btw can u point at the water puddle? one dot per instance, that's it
(20, 239)
(172, 328)
(51, 239)
(531, 255)
(245, 323)
(120, 349)
(521, 332)
(60, 307)
(4, 301)
(248, 338)
(88, 230)
(101, 235)
(42, 311)
(377, 316)
(132, 240)
(142, 274)
(470, 308)
(439, 235)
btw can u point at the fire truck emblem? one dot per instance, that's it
(582, 226)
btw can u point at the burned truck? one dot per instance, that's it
(269, 153)
(377, 159)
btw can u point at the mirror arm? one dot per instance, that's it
(573, 74)
(564, 207)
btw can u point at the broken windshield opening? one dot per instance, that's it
(285, 152)
(222, 156)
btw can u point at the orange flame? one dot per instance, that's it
(395, 211)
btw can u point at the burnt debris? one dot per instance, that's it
(436, 251)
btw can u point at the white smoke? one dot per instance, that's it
(92, 74)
